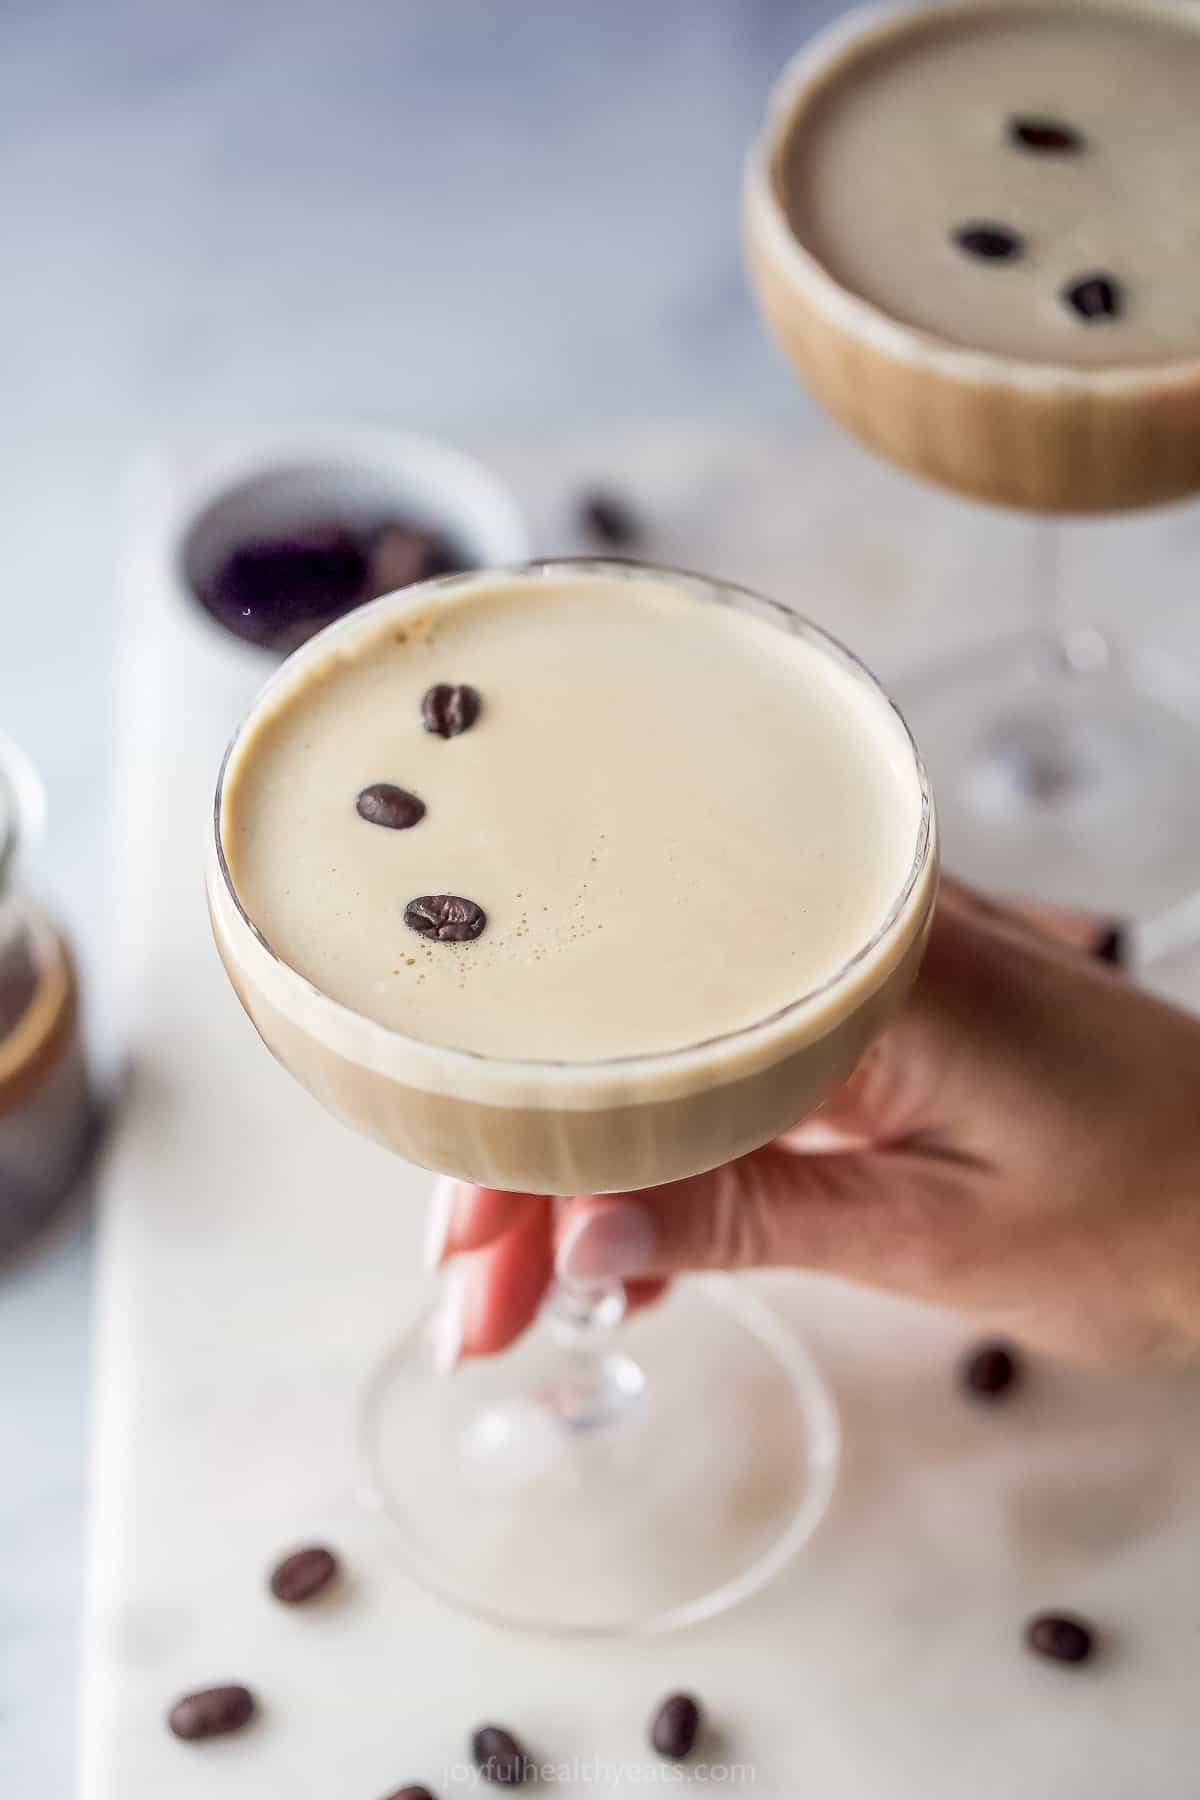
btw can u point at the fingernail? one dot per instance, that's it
(446, 1326)
(608, 1243)
(437, 1220)
(1111, 947)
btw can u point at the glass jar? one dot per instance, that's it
(47, 1114)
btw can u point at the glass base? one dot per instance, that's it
(704, 1458)
(1063, 773)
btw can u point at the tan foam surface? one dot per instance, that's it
(677, 818)
(909, 138)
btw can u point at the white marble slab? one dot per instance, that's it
(256, 1259)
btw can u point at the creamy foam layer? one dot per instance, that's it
(907, 137)
(678, 818)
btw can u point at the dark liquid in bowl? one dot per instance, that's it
(278, 591)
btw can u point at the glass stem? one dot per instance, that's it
(595, 1382)
(1038, 744)
(1075, 647)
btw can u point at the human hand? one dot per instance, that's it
(1023, 1144)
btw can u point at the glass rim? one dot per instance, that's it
(716, 589)
(850, 31)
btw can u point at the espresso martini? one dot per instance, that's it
(972, 229)
(575, 858)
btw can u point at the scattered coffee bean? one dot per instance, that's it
(416, 1792)
(994, 243)
(676, 1726)
(212, 1712)
(303, 1575)
(1059, 1637)
(1111, 947)
(278, 591)
(1094, 297)
(447, 918)
(402, 554)
(385, 804)
(609, 519)
(450, 709)
(989, 1371)
(500, 1757)
(1049, 137)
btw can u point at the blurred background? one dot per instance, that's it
(481, 219)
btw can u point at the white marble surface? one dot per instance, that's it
(463, 213)
(257, 1258)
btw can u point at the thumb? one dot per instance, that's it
(896, 1218)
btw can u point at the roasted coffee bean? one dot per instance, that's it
(303, 1575)
(450, 709)
(500, 1757)
(211, 1712)
(994, 243)
(989, 1371)
(1094, 297)
(402, 554)
(676, 1726)
(1048, 137)
(1060, 1637)
(447, 918)
(385, 804)
(609, 519)
(1111, 947)
(416, 1792)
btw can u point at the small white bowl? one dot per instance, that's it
(191, 504)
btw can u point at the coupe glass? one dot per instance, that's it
(608, 1473)
(1063, 762)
